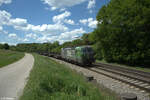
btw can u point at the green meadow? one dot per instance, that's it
(50, 80)
(7, 57)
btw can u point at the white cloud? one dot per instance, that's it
(90, 22)
(52, 29)
(5, 2)
(61, 17)
(4, 17)
(12, 35)
(31, 35)
(62, 9)
(25, 40)
(49, 29)
(53, 8)
(1, 28)
(46, 38)
(62, 3)
(63, 37)
(71, 35)
(93, 24)
(18, 22)
(90, 19)
(91, 4)
(69, 21)
(83, 21)
(22, 24)
(3, 31)
(51, 32)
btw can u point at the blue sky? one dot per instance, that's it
(28, 21)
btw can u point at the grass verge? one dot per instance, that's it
(7, 57)
(140, 68)
(50, 80)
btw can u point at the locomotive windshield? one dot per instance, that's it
(88, 49)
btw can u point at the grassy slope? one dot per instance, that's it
(50, 80)
(131, 67)
(8, 57)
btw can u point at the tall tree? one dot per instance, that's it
(6, 46)
(123, 31)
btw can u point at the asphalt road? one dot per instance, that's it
(14, 77)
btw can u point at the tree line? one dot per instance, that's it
(4, 46)
(54, 47)
(122, 34)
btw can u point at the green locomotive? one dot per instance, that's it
(83, 55)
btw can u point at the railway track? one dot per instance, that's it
(138, 79)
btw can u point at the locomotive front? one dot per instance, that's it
(85, 55)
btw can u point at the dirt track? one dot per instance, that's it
(13, 77)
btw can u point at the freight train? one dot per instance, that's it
(83, 55)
